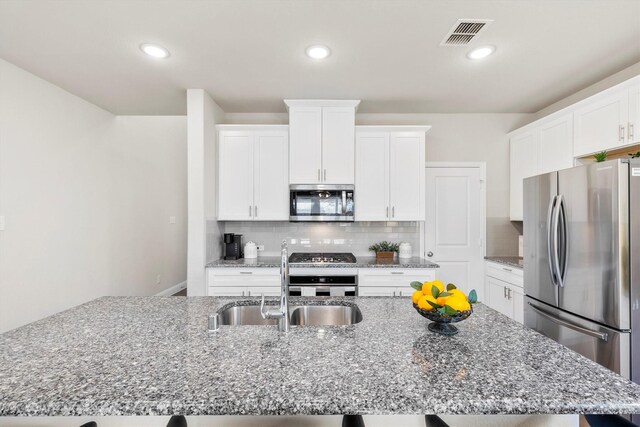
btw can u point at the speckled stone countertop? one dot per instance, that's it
(512, 261)
(361, 262)
(154, 356)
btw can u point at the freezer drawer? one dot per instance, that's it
(606, 346)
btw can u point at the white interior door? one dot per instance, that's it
(454, 228)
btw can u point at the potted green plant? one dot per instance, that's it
(601, 156)
(384, 250)
(635, 155)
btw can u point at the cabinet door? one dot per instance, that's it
(406, 176)
(601, 124)
(267, 291)
(524, 163)
(517, 302)
(338, 145)
(372, 177)
(305, 145)
(555, 150)
(227, 291)
(271, 178)
(235, 186)
(497, 296)
(633, 127)
(380, 291)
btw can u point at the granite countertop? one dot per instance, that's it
(153, 356)
(512, 261)
(361, 262)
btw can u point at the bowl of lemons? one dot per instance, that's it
(443, 305)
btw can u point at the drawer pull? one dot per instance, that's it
(246, 272)
(397, 272)
(507, 269)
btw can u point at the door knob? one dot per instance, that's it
(429, 254)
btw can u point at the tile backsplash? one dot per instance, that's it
(325, 237)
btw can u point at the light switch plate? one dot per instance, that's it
(260, 247)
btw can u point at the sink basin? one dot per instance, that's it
(326, 315)
(301, 315)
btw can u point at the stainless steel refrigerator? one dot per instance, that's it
(582, 261)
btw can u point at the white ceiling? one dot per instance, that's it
(249, 54)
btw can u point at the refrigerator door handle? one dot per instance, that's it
(550, 239)
(562, 268)
(596, 334)
(556, 237)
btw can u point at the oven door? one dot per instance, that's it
(321, 203)
(323, 285)
(323, 291)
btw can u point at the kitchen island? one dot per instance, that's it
(154, 356)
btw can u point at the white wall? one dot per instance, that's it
(86, 197)
(455, 137)
(202, 116)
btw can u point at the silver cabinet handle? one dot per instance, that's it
(621, 133)
(596, 334)
(504, 291)
(248, 293)
(319, 175)
(249, 210)
(508, 293)
(394, 293)
(400, 293)
(393, 212)
(507, 269)
(630, 131)
(246, 272)
(242, 293)
(325, 175)
(387, 212)
(429, 254)
(255, 211)
(397, 272)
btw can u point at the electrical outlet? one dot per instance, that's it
(260, 247)
(158, 279)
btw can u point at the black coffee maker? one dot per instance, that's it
(233, 248)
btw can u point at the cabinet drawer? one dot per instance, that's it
(506, 273)
(400, 278)
(226, 291)
(384, 291)
(243, 277)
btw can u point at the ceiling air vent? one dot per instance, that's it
(464, 31)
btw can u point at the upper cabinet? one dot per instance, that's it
(321, 141)
(390, 173)
(253, 173)
(608, 120)
(543, 147)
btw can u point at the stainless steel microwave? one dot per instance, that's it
(321, 203)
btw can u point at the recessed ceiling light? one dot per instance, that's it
(318, 52)
(481, 52)
(154, 50)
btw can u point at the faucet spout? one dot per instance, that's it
(282, 313)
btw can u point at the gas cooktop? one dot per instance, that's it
(321, 258)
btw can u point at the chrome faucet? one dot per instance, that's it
(282, 312)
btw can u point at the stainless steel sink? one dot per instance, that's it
(302, 315)
(326, 315)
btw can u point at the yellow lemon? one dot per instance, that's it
(442, 301)
(458, 303)
(457, 293)
(426, 286)
(416, 296)
(423, 302)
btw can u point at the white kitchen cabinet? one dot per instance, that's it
(504, 290)
(321, 141)
(253, 173)
(390, 173)
(601, 123)
(555, 144)
(391, 281)
(243, 281)
(372, 176)
(608, 120)
(523, 164)
(338, 145)
(305, 148)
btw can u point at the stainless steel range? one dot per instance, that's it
(307, 280)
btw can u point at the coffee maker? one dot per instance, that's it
(233, 248)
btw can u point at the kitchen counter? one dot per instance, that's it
(153, 356)
(512, 261)
(361, 262)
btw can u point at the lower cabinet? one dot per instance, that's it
(504, 292)
(392, 282)
(243, 282)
